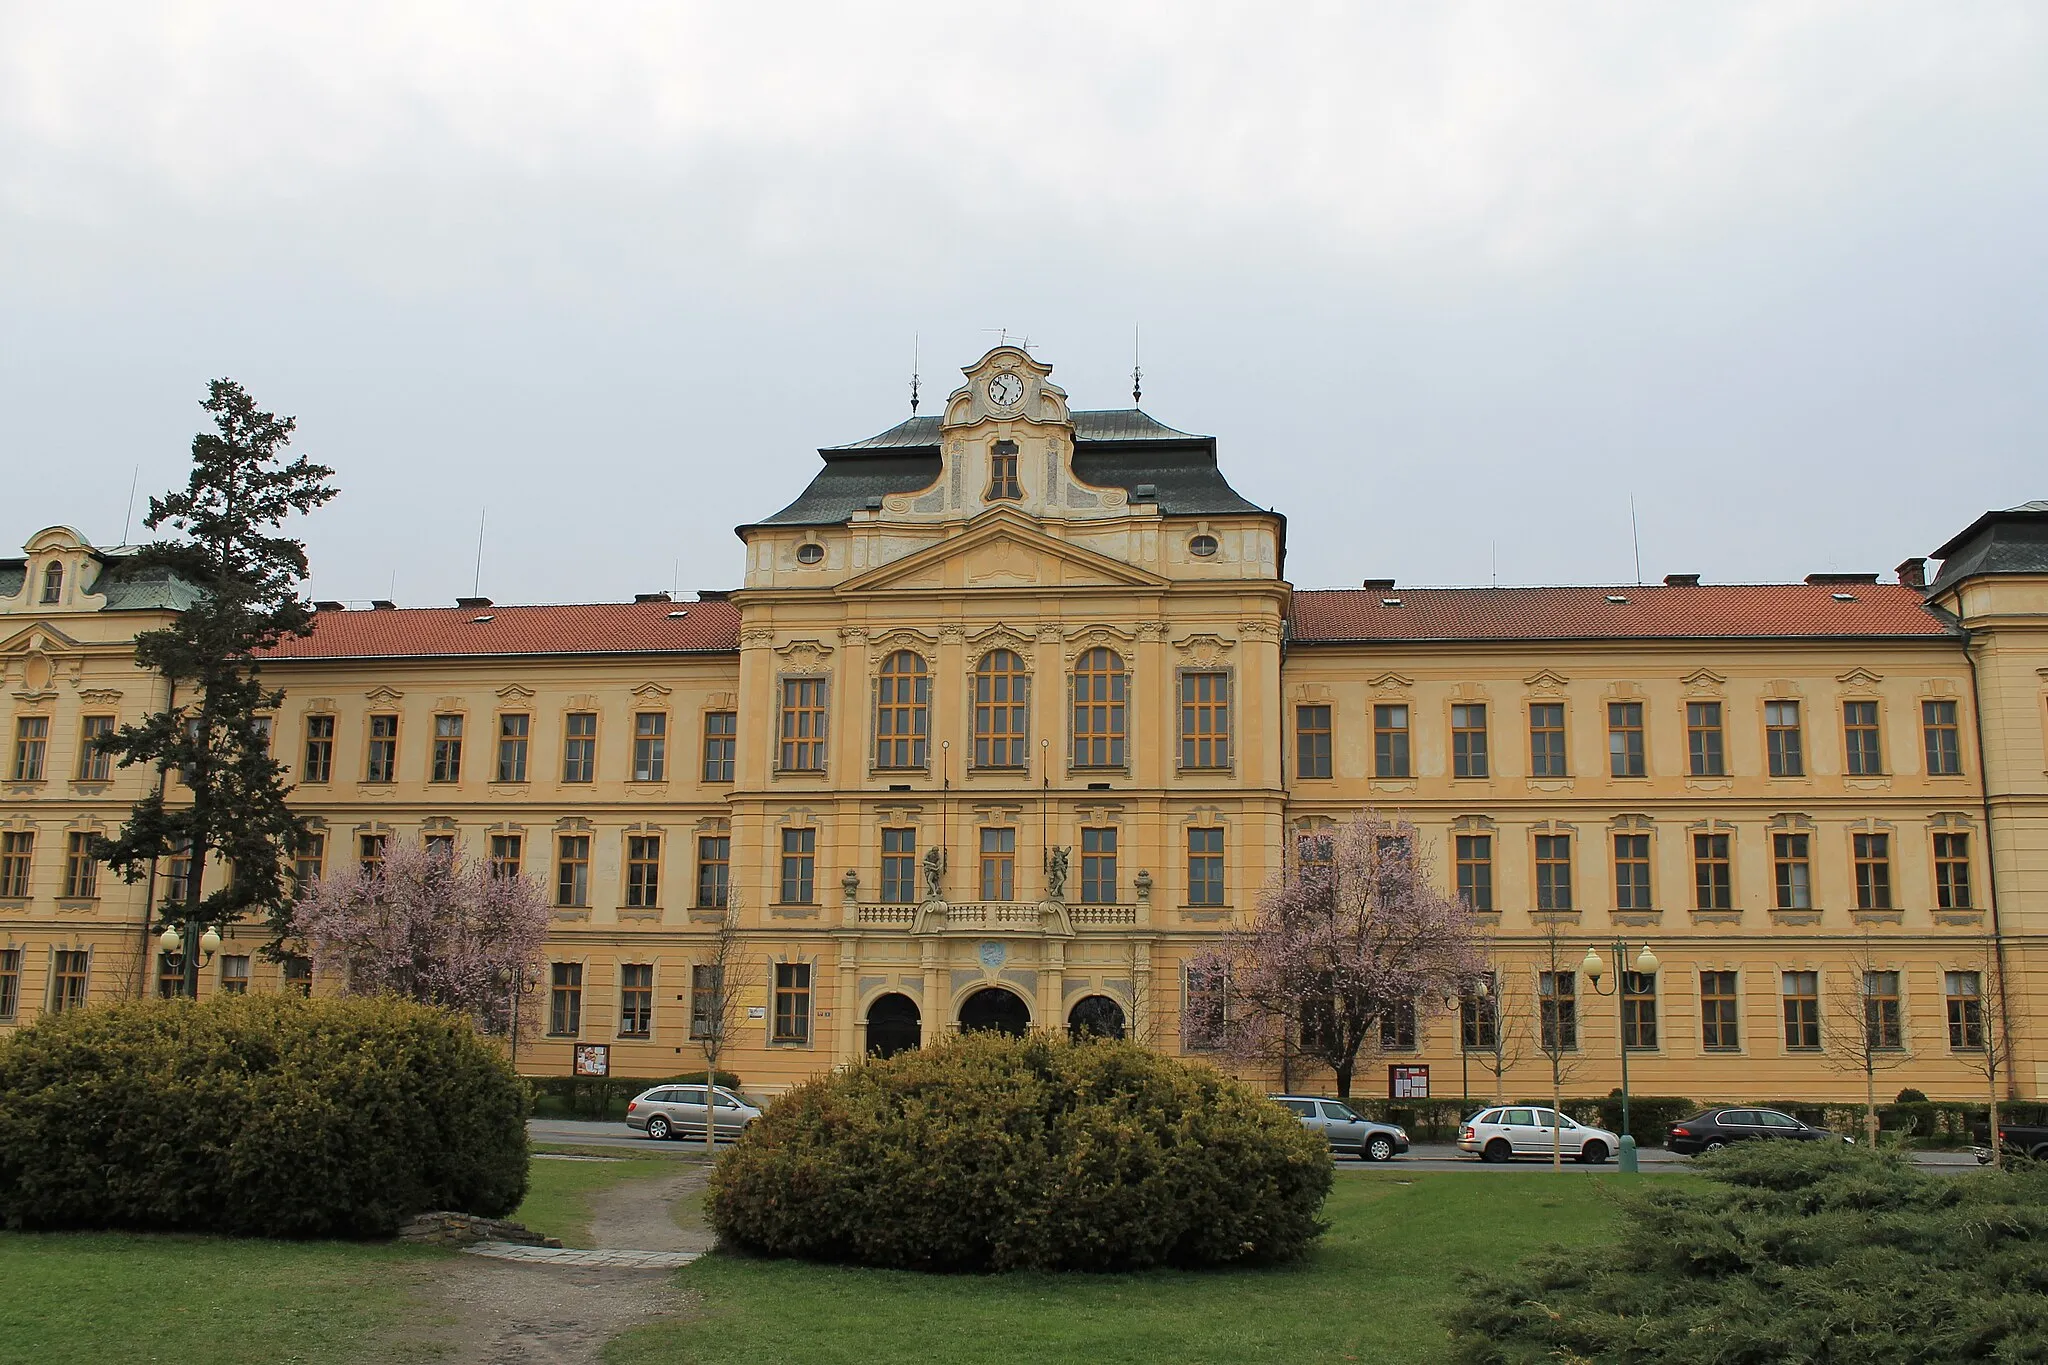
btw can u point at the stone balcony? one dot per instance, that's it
(1014, 917)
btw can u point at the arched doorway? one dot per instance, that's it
(994, 1010)
(1095, 1016)
(894, 1025)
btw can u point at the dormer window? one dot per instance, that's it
(1002, 473)
(810, 553)
(53, 582)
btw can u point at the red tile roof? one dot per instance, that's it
(456, 632)
(1775, 611)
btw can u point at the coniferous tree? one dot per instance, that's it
(228, 802)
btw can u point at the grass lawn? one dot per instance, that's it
(1374, 1292)
(558, 1192)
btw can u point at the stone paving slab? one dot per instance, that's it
(604, 1258)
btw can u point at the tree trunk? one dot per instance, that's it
(1997, 1147)
(710, 1107)
(1556, 1101)
(1344, 1079)
(1870, 1103)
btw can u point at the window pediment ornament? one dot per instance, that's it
(1079, 642)
(1002, 637)
(515, 692)
(1390, 682)
(1260, 629)
(1203, 649)
(1710, 826)
(383, 695)
(1474, 824)
(100, 696)
(652, 691)
(1859, 679)
(1546, 681)
(1790, 821)
(1642, 823)
(449, 703)
(1704, 681)
(902, 637)
(809, 653)
(1311, 692)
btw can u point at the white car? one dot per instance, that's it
(1525, 1130)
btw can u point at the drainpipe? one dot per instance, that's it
(1991, 881)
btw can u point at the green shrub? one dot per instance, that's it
(1787, 1251)
(1911, 1096)
(256, 1115)
(993, 1153)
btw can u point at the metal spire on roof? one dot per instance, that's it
(1137, 375)
(913, 374)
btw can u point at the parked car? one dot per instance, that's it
(2026, 1140)
(669, 1111)
(1718, 1127)
(1345, 1129)
(1526, 1130)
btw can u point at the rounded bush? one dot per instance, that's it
(256, 1115)
(995, 1153)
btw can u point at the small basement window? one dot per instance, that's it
(809, 554)
(1202, 547)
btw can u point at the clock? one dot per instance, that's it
(1005, 390)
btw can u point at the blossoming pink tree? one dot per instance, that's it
(428, 926)
(1354, 942)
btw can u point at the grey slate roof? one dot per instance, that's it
(1113, 448)
(127, 585)
(2014, 540)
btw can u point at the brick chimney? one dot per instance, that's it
(1913, 573)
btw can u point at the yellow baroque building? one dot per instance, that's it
(1016, 713)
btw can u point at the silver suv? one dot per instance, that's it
(678, 1111)
(1525, 1130)
(1345, 1129)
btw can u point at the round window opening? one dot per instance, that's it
(1202, 546)
(809, 554)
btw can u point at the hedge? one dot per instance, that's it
(992, 1153)
(580, 1097)
(264, 1115)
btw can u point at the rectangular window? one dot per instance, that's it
(572, 869)
(579, 746)
(1002, 473)
(10, 985)
(1713, 878)
(643, 870)
(1719, 1031)
(1704, 751)
(1101, 685)
(1311, 741)
(380, 763)
(1793, 870)
(369, 852)
(1632, 872)
(1860, 736)
(1205, 1008)
(650, 746)
(260, 727)
(440, 846)
(234, 974)
(1944, 739)
(297, 976)
(714, 870)
(1965, 1011)
(998, 864)
(508, 853)
(1625, 754)
(512, 736)
(565, 999)
(94, 765)
(1782, 743)
(1468, 741)
(1639, 1010)
(1390, 741)
(70, 969)
(636, 1000)
(1554, 872)
(707, 1018)
(81, 869)
(1546, 739)
(1475, 871)
(17, 852)
(799, 865)
(31, 742)
(1802, 1010)
(1098, 866)
(309, 861)
(721, 744)
(1479, 1016)
(447, 766)
(1205, 867)
(899, 867)
(1205, 720)
(178, 874)
(1397, 1027)
(1873, 871)
(1557, 994)
(170, 975)
(1882, 1027)
(803, 725)
(1952, 871)
(792, 1002)
(319, 749)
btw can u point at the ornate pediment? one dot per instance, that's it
(1859, 679)
(1079, 642)
(1546, 680)
(383, 696)
(999, 549)
(800, 654)
(1704, 681)
(652, 691)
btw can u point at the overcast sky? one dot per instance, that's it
(1449, 283)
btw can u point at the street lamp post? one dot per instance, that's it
(1477, 992)
(1593, 967)
(198, 943)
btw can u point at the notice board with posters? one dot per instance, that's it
(592, 1059)
(1408, 1082)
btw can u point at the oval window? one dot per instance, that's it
(1201, 547)
(809, 554)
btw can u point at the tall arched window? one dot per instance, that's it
(1100, 684)
(53, 582)
(903, 695)
(1002, 694)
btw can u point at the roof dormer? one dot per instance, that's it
(55, 576)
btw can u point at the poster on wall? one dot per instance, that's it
(1408, 1082)
(592, 1059)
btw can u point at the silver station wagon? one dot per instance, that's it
(677, 1111)
(1344, 1128)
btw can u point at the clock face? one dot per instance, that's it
(1005, 390)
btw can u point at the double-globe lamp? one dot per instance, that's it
(1594, 968)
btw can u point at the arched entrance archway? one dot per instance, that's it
(1095, 1016)
(894, 1025)
(994, 1010)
